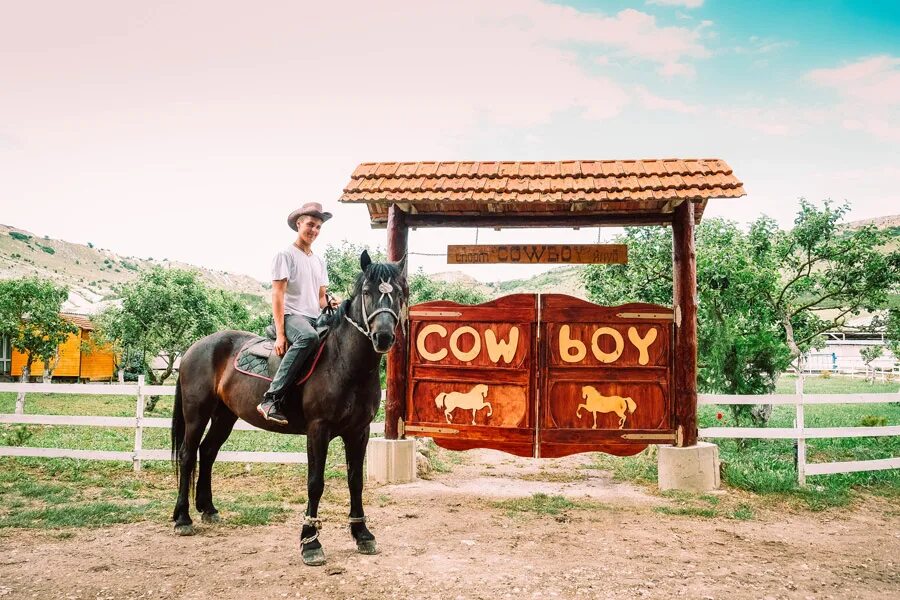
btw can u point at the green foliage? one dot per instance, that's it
(424, 288)
(765, 296)
(47, 249)
(22, 237)
(163, 312)
(342, 263)
(892, 331)
(29, 317)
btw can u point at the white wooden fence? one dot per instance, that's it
(139, 422)
(801, 433)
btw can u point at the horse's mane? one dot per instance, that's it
(374, 274)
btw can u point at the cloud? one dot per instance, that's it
(653, 102)
(758, 45)
(684, 3)
(867, 92)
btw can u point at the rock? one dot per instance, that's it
(423, 465)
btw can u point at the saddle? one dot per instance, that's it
(257, 356)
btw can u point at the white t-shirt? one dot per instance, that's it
(305, 274)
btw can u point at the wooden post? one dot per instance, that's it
(395, 398)
(20, 397)
(684, 271)
(138, 425)
(800, 425)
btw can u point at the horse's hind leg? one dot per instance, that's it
(222, 423)
(195, 423)
(355, 448)
(317, 437)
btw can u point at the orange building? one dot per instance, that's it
(79, 358)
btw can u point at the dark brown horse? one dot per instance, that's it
(339, 399)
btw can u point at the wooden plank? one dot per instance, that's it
(790, 399)
(66, 453)
(684, 279)
(773, 433)
(515, 221)
(854, 466)
(88, 389)
(538, 254)
(124, 422)
(395, 401)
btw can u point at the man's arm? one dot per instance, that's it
(279, 286)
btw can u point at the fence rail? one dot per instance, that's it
(139, 422)
(801, 433)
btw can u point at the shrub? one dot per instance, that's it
(47, 249)
(873, 421)
(19, 236)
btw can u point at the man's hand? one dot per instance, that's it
(333, 301)
(280, 345)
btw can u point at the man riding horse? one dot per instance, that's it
(299, 282)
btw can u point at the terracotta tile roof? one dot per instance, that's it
(78, 320)
(647, 187)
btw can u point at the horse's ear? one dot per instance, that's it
(401, 266)
(364, 260)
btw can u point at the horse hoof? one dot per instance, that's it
(314, 557)
(184, 529)
(210, 517)
(366, 547)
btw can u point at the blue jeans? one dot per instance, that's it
(302, 340)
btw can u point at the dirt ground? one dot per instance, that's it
(459, 535)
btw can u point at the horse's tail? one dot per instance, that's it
(177, 427)
(631, 405)
(439, 399)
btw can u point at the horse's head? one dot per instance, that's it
(482, 390)
(378, 300)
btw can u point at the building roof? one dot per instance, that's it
(642, 189)
(78, 320)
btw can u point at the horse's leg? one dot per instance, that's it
(473, 415)
(355, 448)
(490, 408)
(222, 423)
(447, 413)
(195, 423)
(317, 437)
(595, 420)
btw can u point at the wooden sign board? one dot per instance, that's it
(540, 375)
(538, 254)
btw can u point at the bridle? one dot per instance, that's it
(385, 287)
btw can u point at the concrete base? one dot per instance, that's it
(691, 469)
(391, 461)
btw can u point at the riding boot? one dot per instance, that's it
(271, 409)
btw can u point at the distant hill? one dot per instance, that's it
(95, 275)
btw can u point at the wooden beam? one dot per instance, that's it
(538, 254)
(684, 274)
(395, 397)
(510, 221)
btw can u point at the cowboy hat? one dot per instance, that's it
(313, 209)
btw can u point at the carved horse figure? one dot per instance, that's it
(339, 399)
(472, 400)
(597, 402)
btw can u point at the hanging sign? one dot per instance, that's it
(538, 254)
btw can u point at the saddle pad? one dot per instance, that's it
(253, 358)
(258, 359)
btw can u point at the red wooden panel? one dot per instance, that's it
(606, 377)
(471, 374)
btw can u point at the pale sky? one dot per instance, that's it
(189, 130)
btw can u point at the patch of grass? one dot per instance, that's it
(251, 513)
(640, 468)
(90, 514)
(743, 512)
(554, 476)
(687, 511)
(541, 504)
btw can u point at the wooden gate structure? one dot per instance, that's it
(529, 374)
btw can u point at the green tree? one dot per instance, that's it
(342, 263)
(162, 313)
(822, 272)
(739, 347)
(425, 288)
(30, 319)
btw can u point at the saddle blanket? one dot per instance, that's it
(257, 358)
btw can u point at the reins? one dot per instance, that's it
(385, 288)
